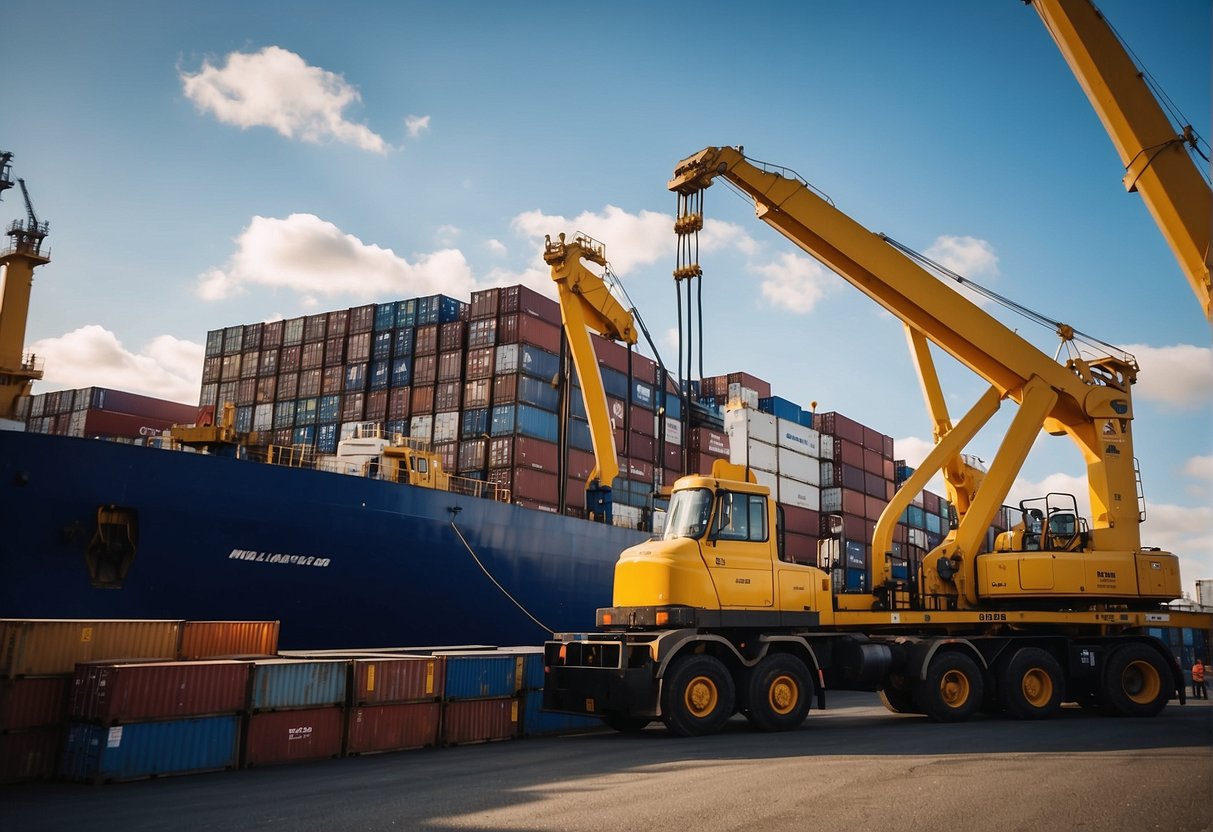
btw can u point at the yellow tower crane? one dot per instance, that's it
(18, 371)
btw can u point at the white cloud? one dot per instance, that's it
(166, 367)
(496, 247)
(446, 234)
(631, 239)
(970, 258)
(305, 254)
(276, 88)
(794, 282)
(1181, 375)
(416, 125)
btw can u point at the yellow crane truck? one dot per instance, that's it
(711, 619)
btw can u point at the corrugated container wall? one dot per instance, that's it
(114, 693)
(281, 684)
(479, 720)
(384, 681)
(213, 639)
(95, 753)
(45, 647)
(293, 736)
(374, 728)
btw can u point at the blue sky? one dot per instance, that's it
(224, 163)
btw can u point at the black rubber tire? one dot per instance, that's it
(697, 696)
(898, 700)
(1031, 684)
(1136, 681)
(779, 690)
(952, 690)
(625, 724)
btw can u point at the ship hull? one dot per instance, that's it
(341, 561)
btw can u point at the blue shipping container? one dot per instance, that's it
(525, 420)
(305, 434)
(530, 665)
(381, 345)
(305, 411)
(480, 675)
(329, 409)
(406, 315)
(781, 408)
(326, 439)
(94, 753)
(538, 363)
(282, 684)
(244, 418)
(380, 374)
(614, 382)
(536, 722)
(403, 344)
(579, 435)
(402, 372)
(539, 393)
(643, 394)
(385, 316)
(284, 414)
(475, 423)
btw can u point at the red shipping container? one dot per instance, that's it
(535, 485)
(271, 334)
(122, 402)
(479, 720)
(30, 755)
(422, 400)
(450, 365)
(801, 520)
(109, 423)
(519, 298)
(384, 681)
(339, 323)
(112, 693)
(376, 406)
(376, 728)
(705, 440)
(611, 354)
(293, 736)
(642, 421)
(800, 548)
(538, 505)
(574, 493)
(479, 363)
(763, 388)
(446, 396)
(579, 464)
(477, 393)
(484, 304)
(873, 506)
(426, 340)
(641, 447)
(34, 702)
(637, 469)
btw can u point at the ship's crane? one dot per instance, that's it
(1088, 400)
(17, 370)
(1155, 153)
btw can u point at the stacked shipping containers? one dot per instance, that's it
(102, 412)
(478, 381)
(296, 711)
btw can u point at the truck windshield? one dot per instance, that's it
(689, 512)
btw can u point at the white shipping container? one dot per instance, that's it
(917, 537)
(75, 425)
(37, 405)
(744, 425)
(673, 429)
(757, 455)
(796, 436)
(827, 446)
(771, 481)
(797, 466)
(827, 474)
(740, 396)
(446, 426)
(421, 428)
(627, 517)
(831, 499)
(263, 417)
(799, 494)
(507, 360)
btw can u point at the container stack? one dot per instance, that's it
(482, 696)
(296, 711)
(102, 412)
(395, 703)
(480, 382)
(46, 664)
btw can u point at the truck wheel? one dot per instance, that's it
(697, 696)
(780, 692)
(952, 690)
(1030, 684)
(625, 723)
(1136, 681)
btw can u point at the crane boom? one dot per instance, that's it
(1157, 164)
(587, 303)
(1088, 400)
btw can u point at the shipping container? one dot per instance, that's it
(293, 736)
(375, 728)
(388, 680)
(480, 720)
(95, 753)
(113, 693)
(34, 702)
(216, 639)
(45, 647)
(281, 684)
(744, 425)
(480, 674)
(30, 755)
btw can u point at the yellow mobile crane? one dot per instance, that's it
(1153, 151)
(711, 619)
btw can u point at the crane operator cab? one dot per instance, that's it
(1050, 524)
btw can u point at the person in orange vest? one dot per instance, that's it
(1198, 680)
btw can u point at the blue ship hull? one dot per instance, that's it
(341, 561)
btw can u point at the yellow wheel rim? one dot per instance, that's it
(701, 696)
(1037, 687)
(783, 695)
(954, 689)
(1140, 682)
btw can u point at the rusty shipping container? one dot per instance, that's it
(375, 728)
(46, 647)
(215, 639)
(34, 702)
(479, 720)
(293, 736)
(382, 681)
(118, 693)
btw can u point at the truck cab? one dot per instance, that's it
(720, 558)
